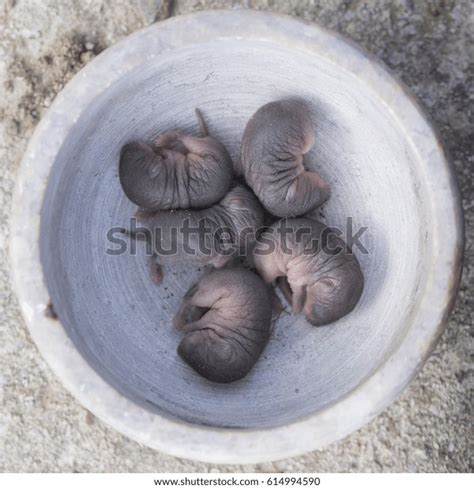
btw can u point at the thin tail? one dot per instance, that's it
(201, 122)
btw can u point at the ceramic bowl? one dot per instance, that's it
(113, 345)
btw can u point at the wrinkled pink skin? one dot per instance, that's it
(239, 210)
(226, 318)
(274, 144)
(324, 285)
(176, 171)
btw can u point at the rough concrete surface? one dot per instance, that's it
(429, 44)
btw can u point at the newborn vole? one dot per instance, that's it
(275, 140)
(227, 320)
(207, 236)
(176, 171)
(314, 268)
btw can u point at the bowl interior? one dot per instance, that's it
(121, 322)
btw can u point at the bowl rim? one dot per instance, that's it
(205, 443)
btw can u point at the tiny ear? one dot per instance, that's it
(154, 169)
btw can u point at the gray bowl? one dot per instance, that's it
(115, 349)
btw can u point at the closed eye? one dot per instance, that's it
(328, 283)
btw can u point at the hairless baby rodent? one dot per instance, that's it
(187, 212)
(226, 318)
(274, 143)
(205, 236)
(314, 268)
(176, 171)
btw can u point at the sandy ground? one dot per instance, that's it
(429, 44)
